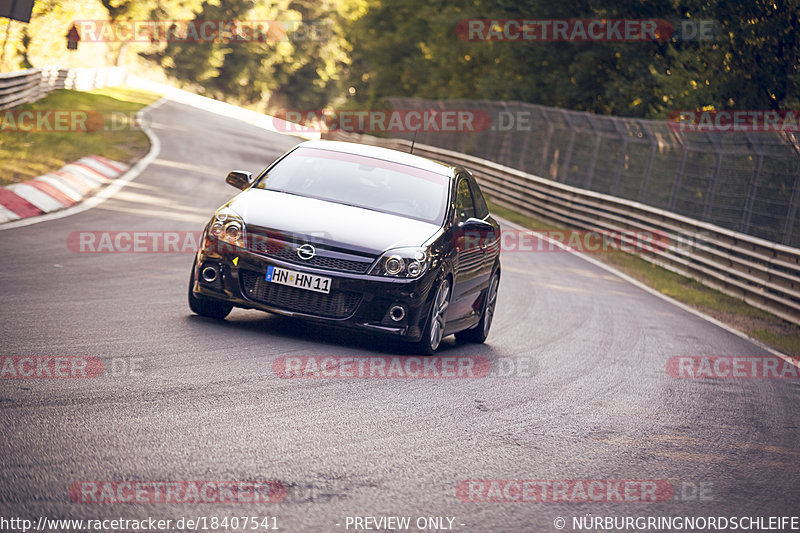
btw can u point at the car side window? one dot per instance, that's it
(465, 207)
(481, 210)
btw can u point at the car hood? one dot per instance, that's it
(330, 223)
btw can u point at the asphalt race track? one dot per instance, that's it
(203, 402)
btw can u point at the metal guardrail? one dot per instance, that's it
(21, 87)
(27, 86)
(764, 274)
(745, 181)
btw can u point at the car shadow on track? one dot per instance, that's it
(287, 329)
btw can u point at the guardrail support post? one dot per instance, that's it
(620, 163)
(568, 153)
(712, 187)
(650, 158)
(676, 186)
(593, 163)
(752, 189)
(791, 215)
(546, 148)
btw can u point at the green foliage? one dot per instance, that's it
(356, 53)
(753, 62)
(411, 48)
(296, 65)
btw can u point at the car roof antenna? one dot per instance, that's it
(413, 141)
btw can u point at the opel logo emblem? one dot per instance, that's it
(306, 252)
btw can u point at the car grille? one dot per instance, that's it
(259, 242)
(336, 304)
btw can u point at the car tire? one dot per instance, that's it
(436, 320)
(480, 331)
(207, 307)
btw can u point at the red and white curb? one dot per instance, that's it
(59, 189)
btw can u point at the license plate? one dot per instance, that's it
(300, 280)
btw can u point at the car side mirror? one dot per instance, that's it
(473, 233)
(241, 179)
(475, 224)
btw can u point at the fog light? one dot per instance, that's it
(209, 274)
(397, 313)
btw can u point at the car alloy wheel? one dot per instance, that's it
(434, 332)
(488, 313)
(480, 331)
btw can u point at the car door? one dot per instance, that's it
(469, 255)
(490, 239)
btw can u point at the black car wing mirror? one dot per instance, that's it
(476, 224)
(473, 233)
(241, 179)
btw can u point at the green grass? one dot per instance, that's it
(758, 324)
(28, 154)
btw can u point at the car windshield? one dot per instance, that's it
(361, 181)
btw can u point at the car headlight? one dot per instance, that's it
(228, 227)
(402, 263)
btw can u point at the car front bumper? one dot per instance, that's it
(357, 301)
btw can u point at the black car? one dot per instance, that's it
(357, 236)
